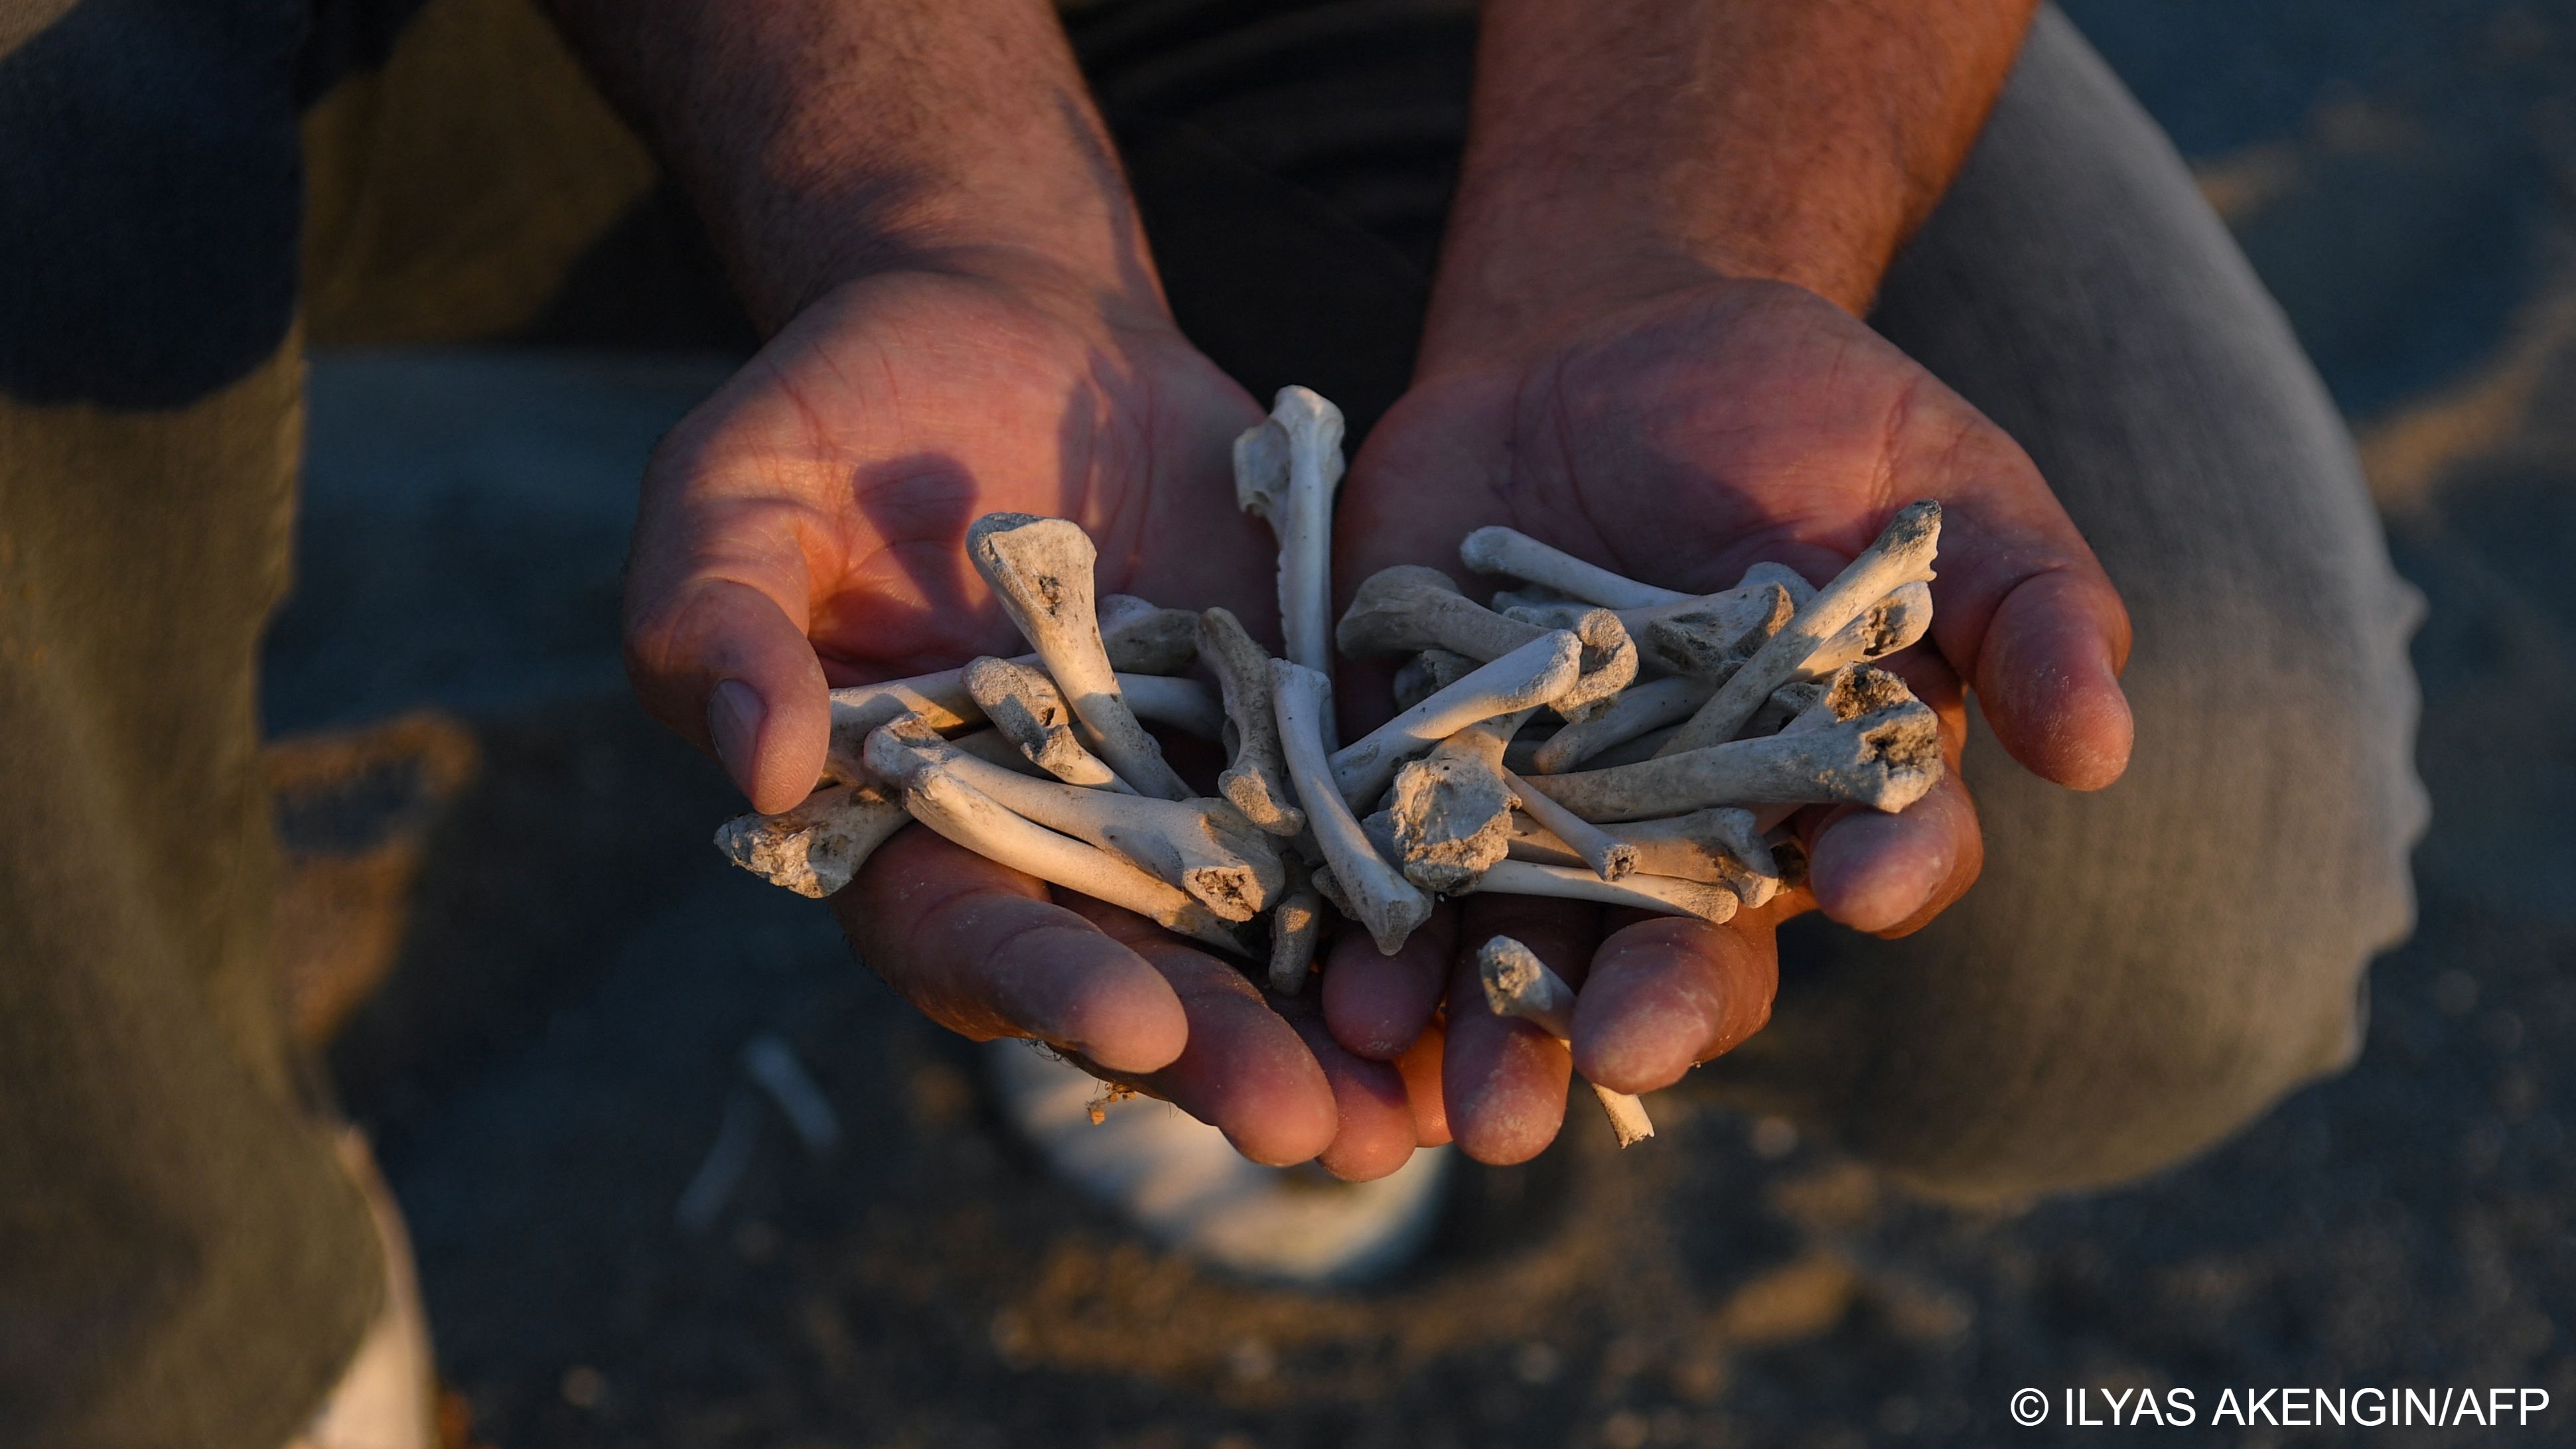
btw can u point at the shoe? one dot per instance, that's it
(1178, 1180)
(388, 1396)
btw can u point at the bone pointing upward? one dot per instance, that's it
(1256, 780)
(1041, 569)
(1285, 472)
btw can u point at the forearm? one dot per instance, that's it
(826, 138)
(1619, 149)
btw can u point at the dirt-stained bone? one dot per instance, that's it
(818, 847)
(1885, 759)
(1381, 899)
(1295, 923)
(1041, 569)
(1256, 780)
(1518, 984)
(1537, 673)
(1639, 708)
(1714, 904)
(1604, 854)
(1030, 711)
(1409, 607)
(1450, 813)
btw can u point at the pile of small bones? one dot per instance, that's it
(1702, 722)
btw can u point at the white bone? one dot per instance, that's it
(1639, 708)
(1517, 983)
(1883, 628)
(1256, 780)
(1184, 704)
(1718, 847)
(975, 821)
(1381, 898)
(1201, 846)
(1030, 711)
(1885, 759)
(1408, 608)
(1608, 856)
(1902, 555)
(1285, 471)
(1498, 550)
(1666, 895)
(1041, 570)
(818, 847)
(1537, 673)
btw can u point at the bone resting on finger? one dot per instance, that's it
(1505, 551)
(818, 847)
(1041, 570)
(1294, 925)
(1285, 472)
(1714, 847)
(1380, 897)
(1201, 846)
(1902, 555)
(1519, 984)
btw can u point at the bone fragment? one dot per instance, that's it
(1715, 847)
(1498, 550)
(1537, 673)
(1201, 846)
(1041, 569)
(1639, 708)
(975, 821)
(1885, 759)
(1030, 711)
(1256, 780)
(1146, 638)
(1667, 895)
(1884, 627)
(1608, 856)
(1295, 923)
(1517, 983)
(1902, 555)
(1852, 691)
(1450, 814)
(1428, 673)
(817, 847)
(1408, 607)
(1381, 898)
(1285, 471)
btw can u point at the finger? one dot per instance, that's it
(1891, 874)
(1243, 1070)
(1666, 995)
(1420, 1066)
(2024, 612)
(981, 950)
(1376, 1005)
(1373, 1132)
(1503, 1080)
(715, 645)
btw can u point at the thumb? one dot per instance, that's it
(721, 661)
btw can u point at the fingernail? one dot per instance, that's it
(733, 719)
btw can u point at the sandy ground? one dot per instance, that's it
(563, 1035)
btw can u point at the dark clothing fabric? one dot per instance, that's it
(181, 1262)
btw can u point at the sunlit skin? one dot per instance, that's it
(1642, 348)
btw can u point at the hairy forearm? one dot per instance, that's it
(823, 139)
(1621, 148)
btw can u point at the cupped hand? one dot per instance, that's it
(1678, 441)
(804, 528)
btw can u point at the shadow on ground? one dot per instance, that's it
(564, 1029)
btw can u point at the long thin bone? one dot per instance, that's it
(1041, 570)
(1256, 780)
(1885, 759)
(1285, 471)
(1705, 636)
(1539, 672)
(1608, 856)
(1201, 846)
(1517, 983)
(1714, 904)
(974, 820)
(1902, 555)
(1408, 608)
(1499, 550)
(1380, 897)
(1295, 923)
(1449, 814)
(1717, 847)
(1639, 708)
(818, 847)
(1030, 711)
